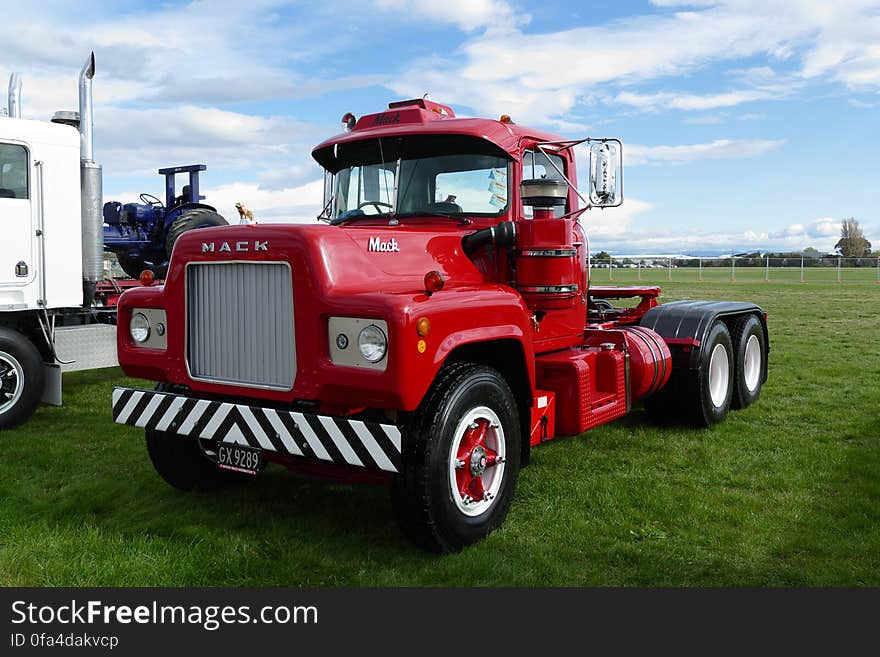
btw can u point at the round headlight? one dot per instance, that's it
(139, 327)
(372, 343)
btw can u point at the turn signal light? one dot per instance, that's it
(423, 326)
(147, 277)
(434, 281)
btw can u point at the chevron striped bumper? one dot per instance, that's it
(338, 440)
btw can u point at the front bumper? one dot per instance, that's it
(342, 441)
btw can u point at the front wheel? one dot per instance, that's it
(21, 378)
(461, 461)
(181, 463)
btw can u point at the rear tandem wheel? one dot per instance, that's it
(701, 396)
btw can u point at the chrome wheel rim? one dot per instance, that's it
(11, 381)
(476, 461)
(752, 363)
(719, 375)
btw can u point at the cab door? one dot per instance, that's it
(17, 265)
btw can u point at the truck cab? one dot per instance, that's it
(40, 227)
(432, 326)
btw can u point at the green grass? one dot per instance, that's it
(784, 493)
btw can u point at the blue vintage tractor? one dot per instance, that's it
(142, 235)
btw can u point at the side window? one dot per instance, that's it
(478, 191)
(13, 171)
(538, 165)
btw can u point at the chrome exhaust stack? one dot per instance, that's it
(91, 189)
(13, 98)
(86, 126)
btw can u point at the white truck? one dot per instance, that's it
(57, 313)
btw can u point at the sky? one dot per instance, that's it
(747, 124)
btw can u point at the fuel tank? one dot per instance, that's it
(650, 361)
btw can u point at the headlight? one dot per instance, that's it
(139, 328)
(372, 343)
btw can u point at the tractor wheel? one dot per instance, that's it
(750, 358)
(190, 220)
(21, 378)
(461, 460)
(703, 396)
(134, 266)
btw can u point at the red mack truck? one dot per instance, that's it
(434, 326)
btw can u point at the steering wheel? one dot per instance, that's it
(376, 204)
(146, 199)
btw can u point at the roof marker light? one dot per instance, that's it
(348, 121)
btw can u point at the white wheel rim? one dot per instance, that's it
(719, 375)
(11, 380)
(752, 363)
(465, 457)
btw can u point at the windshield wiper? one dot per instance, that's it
(433, 213)
(360, 217)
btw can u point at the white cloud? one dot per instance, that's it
(469, 15)
(609, 222)
(134, 139)
(544, 77)
(861, 104)
(208, 52)
(690, 102)
(720, 149)
(821, 233)
(300, 204)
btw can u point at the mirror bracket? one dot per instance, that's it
(606, 162)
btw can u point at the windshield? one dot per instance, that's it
(418, 175)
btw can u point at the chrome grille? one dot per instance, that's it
(240, 323)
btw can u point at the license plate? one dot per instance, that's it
(240, 458)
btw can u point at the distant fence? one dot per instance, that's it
(832, 269)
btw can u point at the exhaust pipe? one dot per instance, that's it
(86, 145)
(13, 107)
(91, 189)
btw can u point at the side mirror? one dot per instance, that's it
(606, 173)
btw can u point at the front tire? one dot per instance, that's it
(461, 460)
(180, 462)
(21, 378)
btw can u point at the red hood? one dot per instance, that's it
(346, 259)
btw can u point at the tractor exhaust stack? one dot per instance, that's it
(14, 97)
(91, 188)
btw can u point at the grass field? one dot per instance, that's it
(739, 275)
(785, 493)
